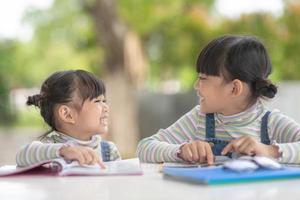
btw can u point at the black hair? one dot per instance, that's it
(239, 57)
(60, 88)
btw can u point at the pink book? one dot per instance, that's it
(61, 168)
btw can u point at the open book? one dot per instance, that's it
(62, 168)
(219, 160)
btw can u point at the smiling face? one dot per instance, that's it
(93, 117)
(214, 93)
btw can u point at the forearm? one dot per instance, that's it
(36, 152)
(150, 150)
(164, 145)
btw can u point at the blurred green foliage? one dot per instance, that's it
(30, 117)
(7, 50)
(172, 32)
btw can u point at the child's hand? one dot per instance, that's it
(197, 151)
(250, 146)
(84, 155)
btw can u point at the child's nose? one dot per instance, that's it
(105, 107)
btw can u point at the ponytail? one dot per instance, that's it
(264, 88)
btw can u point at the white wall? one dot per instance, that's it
(288, 99)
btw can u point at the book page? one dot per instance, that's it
(219, 160)
(62, 167)
(7, 170)
(119, 167)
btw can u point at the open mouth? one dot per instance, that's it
(104, 120)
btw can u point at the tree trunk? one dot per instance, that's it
(125, 69)
(123, 113)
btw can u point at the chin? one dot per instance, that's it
(103, 131)
(205, 111)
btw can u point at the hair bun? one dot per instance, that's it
(34, 100)
(265, 88)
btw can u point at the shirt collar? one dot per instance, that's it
(242, 118)
(64, 138)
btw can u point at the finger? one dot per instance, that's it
(243, 143)
(187, 153)
(194, 151)
(227, 148)
(242, 147)
(233, 145)
(101, 164)
(238, 143)
(201, 152)
(87, 157)
(80, 158)
(209, 154)
(249, 150)
(94, 156)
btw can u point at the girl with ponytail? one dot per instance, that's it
(231, 118)
(73, 104)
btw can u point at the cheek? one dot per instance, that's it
(99, 108)
(200, 87)
(226, 91)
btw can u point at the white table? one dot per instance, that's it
(151, 185)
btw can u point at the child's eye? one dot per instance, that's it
(99, 101)
(202, 78)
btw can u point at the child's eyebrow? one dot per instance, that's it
(100, 98)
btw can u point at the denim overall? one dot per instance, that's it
(105, 151)
(219, 144)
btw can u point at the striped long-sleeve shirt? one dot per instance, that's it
(164, 145)
(48, 148)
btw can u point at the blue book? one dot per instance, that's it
(220, 175)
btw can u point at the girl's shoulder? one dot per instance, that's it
(195, 112)
(52, 137)
(194, 115)
(276, 116)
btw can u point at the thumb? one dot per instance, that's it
(101, 164)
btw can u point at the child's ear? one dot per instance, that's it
(237, 87)
(66, 114)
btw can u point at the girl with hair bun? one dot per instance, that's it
(231, 118)
(73, 104)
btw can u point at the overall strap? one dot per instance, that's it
(210, 126)
(105, 151)
(264, 136)
(217, 145)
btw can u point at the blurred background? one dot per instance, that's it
(144, 50)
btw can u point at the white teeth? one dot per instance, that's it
(104, 120)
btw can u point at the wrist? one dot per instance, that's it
(179, 151)
(274, 151)
(63, 149)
